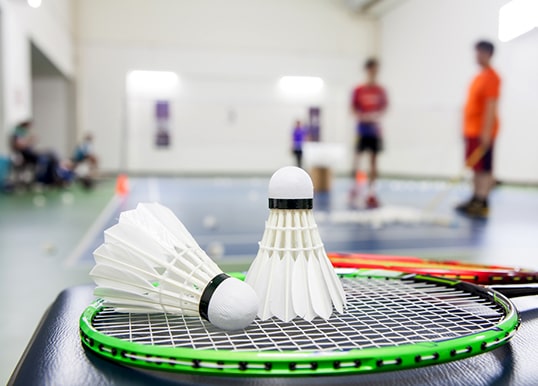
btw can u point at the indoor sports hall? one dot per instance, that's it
(364, 172)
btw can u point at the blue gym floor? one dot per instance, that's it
(237, 210)
(46, 238)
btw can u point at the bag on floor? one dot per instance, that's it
(46, 167)
(5, 164)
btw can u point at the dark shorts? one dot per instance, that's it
(373, 144)
(29, 156)
(484, 164)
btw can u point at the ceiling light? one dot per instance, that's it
(300, 85)
(34, 3)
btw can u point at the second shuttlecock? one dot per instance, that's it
(150, 263)
(292, 274)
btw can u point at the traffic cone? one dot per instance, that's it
(361, 178)
(358, 190)
(122, 185)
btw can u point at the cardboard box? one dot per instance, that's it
(322, 178)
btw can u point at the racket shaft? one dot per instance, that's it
(516, 290)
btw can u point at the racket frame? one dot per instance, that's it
(469, 272)
(306, 363)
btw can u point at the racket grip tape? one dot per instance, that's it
(208, 293)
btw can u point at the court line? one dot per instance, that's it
(327, 237)
(447, 253)
(93, 231)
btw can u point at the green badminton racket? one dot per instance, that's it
(393, 321)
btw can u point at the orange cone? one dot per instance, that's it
(361, 177)
(122, 185)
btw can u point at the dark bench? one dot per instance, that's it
(55, 356)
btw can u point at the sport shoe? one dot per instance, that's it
(372, 202)
(462, 207)
(476, 209)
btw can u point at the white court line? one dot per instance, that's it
(93, 231)
(432, 253)
(244, 238)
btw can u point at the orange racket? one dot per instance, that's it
(470, 272)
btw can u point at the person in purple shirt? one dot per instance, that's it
(299, 136)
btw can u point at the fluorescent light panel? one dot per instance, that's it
(517, 18)
(153, 78)
(154, 84)
(34, 3)
(301, 85)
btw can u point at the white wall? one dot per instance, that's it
(16, 77)
(229, 56)
(50, 28)
(428, 62)
(50, 114)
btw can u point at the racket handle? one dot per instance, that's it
(470, 163)
(475, 157)
(516, 290)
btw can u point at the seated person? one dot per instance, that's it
(84, 162)
(44, 165)
(84, 152)
(22, 142)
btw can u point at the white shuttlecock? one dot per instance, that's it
(292, 274)
(210, 222)
(149, 262)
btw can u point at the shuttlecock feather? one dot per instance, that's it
(149, 262)
(291, 273)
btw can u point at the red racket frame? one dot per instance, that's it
(470, 272)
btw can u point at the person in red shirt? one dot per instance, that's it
(369, 102)
(480, 128)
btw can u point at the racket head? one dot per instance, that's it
(469, 272)
(382, 329)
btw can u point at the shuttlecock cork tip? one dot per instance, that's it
(291, 188)
(229, 303)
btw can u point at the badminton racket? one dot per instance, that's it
(393, 321)
(474, 273)
(470, 162)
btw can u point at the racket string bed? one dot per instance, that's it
(391, 322)
(380, 313)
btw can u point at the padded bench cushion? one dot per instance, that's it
(55, 356)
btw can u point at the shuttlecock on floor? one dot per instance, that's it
(149, 262)
(210, 222)
(40, 201)
(292, 274)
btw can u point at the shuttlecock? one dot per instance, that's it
(210, 222)
(292, 274)
(40, 201)
(149, 262)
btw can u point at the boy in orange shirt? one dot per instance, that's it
(480, 129)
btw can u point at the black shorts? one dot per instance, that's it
(373, 144)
